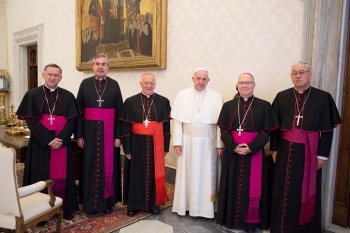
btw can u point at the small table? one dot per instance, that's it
(19, 143)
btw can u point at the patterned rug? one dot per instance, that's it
(100, 222)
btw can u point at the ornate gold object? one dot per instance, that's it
(15, 131)
(5, 79)
(3, 119)
(12, 117)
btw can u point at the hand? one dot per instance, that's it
(274, 156)
(56, 143)
(219, 152)
(117, 143)
(128, 156)
(320, 163)
(80, 142)
(242, 149)
(177, 150)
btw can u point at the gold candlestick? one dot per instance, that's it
(12, 117)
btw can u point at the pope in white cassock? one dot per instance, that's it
(196, 140)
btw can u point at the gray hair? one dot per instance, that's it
(99, 55)
(301, 62)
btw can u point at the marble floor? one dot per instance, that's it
(187, 224)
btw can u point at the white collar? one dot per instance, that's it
(51, 89)
(146, 95)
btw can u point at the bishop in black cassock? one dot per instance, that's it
(243, 194)
(307, 117)
(99, 97)
(145, 136)
(40, 107)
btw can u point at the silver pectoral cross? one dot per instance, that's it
(298, 118)
(146, 122)
(99, 102)
(239, 130)
(51, 119)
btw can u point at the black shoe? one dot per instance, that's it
(155, 212)
(131, 213)
(40, 224)
(68, 216)
(108, 211)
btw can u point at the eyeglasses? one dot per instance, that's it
(54, 75)
(246, 83)
(300, 72)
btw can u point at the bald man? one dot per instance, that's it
(245, 124)
(145, 136)
(197, 143)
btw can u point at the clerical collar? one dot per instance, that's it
(301, 92)
(51, 89)
(100, 79)
(245, 99)
(147, 95)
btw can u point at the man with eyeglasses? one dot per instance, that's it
(245, 123)
(197, 143)
(98, 133)
(300, 148)
(145, 136)
(50, 113)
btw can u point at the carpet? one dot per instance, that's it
(100, 222)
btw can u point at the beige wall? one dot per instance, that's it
(226, 37)
(3, 49)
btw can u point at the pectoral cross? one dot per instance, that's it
(99, 102)
(51, 119)
(239, 130)
(146, 122)
(298, 118)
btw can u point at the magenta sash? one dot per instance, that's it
(107, 115)
(255, 176)
(58, 157)
(308, 197)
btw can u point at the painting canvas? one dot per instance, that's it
(132, 33)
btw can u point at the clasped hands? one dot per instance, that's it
(56, 143)
(242, 149)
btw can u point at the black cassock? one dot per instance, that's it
(233, 200)
(319, 115)
(92, 159)
(139, 181)
(37, 162)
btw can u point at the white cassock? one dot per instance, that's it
(195, 115)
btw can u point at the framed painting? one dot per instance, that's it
(132, 33)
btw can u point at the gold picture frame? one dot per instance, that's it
(132, 33)
(5, 80)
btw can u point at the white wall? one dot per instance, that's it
(226, 37)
